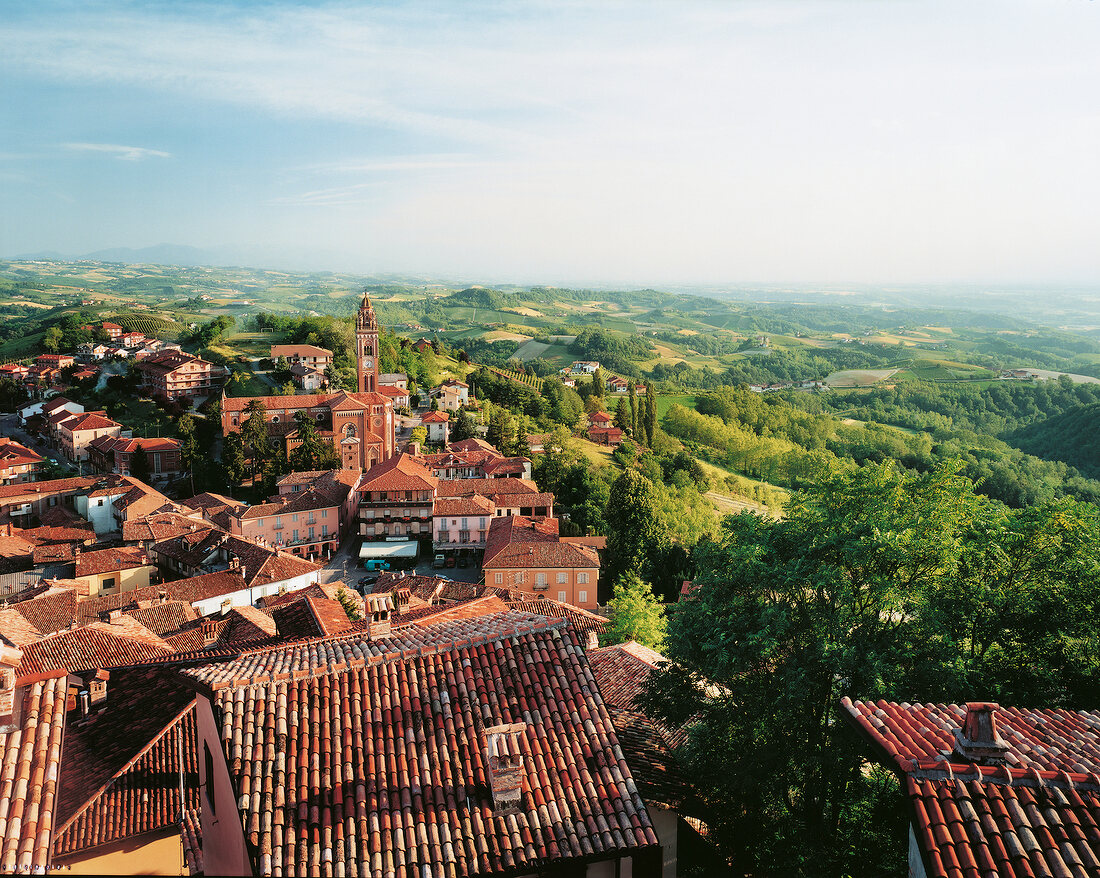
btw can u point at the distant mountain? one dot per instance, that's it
(1069, 437)
(159, 254)
(43, 254)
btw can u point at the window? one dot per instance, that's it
(311, 533)
(108, 582)
(295, 537)
(208, 762)
(275, 419)
(540, 580)
(498, 578)
(562, 577)
(294, 518)
(582, 579)
(99, 502)
(582, 597)
(324, 513)
(561, 596)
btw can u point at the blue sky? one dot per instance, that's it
(564, 142)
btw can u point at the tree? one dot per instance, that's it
(312, 453)
(635, 614)
(464, 427)
(633, 413)
(598, 383)
(632, 519)
(139, 464)
(233, 460)
(254, 433)
(189, 446)
(419, 435)
(622, 415)
(877, 584)
(348, 603)
(650, 414)
(51, 341)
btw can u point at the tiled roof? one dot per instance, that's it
(548, 555)
(120, 773)
(582, 620)
(90, 421)
(164, 526)
(473, 505)
(14, 454)
(435, 418)
(621, 672)
(427, 588)
(84, 649)
(298, 350)
(205, 586)
(450, 612)
(343, 399)
(88, 610)
(54, 486)
(164, 618)
(168, 362)
(52, 610)
(471, 445)
(76, 531)
(207, 500)
(28, 776)
(506, 500)
(329, 614)
(485, 487)
(125, 625)
(402, 472)
(191, 841)
(120, 445)
(108, 561)
(244, 624)
(1036, 814)
(410, 793)
(304, 501)
(15, 628)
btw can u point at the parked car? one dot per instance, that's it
(450, 562)
(439, 561)
(369, 580)
(463, 561)
(377, 564)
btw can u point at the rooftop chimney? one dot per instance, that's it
(378, 607)
(209, 631)
(978, 741)
(403, 596)
(504, 753)
(10, 659)
(97, 686)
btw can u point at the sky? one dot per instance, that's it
(561, 141)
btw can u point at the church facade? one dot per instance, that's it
(359, 425)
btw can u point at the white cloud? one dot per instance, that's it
(123, 153)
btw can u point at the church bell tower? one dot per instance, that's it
(366, 347)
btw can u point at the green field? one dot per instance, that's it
(665, 401)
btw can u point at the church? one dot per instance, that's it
(359, 425)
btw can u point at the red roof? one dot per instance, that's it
(435, 418)
(485, 487)
(402, 472)
(600, 418)
(518, 542)
(89, 421)
(84, 649)
(406, 715)
(582, 620)
(1035, 814)
(307, 401)
(28, 775)
(109, 561)
(121, 774)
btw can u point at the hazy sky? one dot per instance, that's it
(560, 141)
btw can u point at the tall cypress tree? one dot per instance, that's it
(633, 413)
(650, 414)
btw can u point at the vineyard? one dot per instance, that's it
(154, 327)
(519, 377)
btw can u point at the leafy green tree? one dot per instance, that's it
(139, 464)
(51, 341)
(464, 427)
(190, 457)
(632, 519)
(233, 460)
(419, 435)
(635, 614)
(599, 383)
(877, 584)
(633, 413)
(312, 453)
(622, 416)
(254, 432)
(650, 414)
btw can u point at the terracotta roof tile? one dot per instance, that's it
(84, 649)
(15, 628)
(121, 772)
(109, 560)
(1036, 814)
(411, 793)
(28, 776)
(485, 487)
(164, 618)
(52, 610)
(402, 472)
(191, 840)
(582, 620)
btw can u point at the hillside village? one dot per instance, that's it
(370, 555)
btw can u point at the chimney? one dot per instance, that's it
(379, 607)
(504, 753)
(234, 563)
(413, 448)
(403, 596)
(10, 659)
(97, 687)
(978, 741)
(76, 551)
(226, 606)
(209, 632)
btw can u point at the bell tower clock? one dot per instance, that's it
(366, 347)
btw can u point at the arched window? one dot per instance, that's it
(349, 431)
(275, 419)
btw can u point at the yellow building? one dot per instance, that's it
(111, 571)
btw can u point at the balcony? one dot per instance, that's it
(542, 586)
